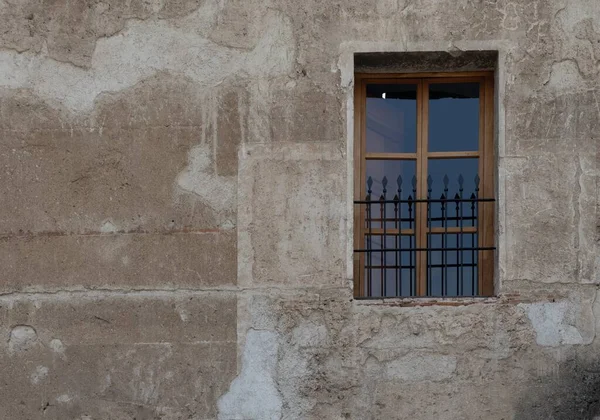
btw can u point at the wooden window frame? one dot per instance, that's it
(486, 168)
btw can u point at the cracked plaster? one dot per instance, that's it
(244, 310)
(142, 49)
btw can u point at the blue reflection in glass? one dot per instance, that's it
(391, 118)
(453, 117)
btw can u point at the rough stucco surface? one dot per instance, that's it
(174, 222)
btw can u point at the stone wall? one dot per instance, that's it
(176, 207)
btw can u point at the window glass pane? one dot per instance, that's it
(454, 272)
(396, 268)
(391, 118)
(445, 177)
(400, 175)
(453, 117)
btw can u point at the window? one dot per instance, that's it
(424, 187)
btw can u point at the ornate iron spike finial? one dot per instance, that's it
(399, 182)
(414, 182)
(477, 179)
(461, 181)
(369, 190)
(443, 203)
(429, 184)
(446, 181)
(384, 182)
(473, 197)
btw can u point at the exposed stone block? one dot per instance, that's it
(119, 261)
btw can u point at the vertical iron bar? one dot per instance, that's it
(477, 224)
(384, 238)
(369, 226)
(443, 278)
(457, 198)
(445, 238)
(381, 254)
(473, 245)
(410, 243)
(413, 254)
(429, 282)
(462, 268)
(399, 237)
(396, 242)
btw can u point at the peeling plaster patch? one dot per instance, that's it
(510, 18)
(308, 334)
(553, 323)
(57, 346)
(63, 399)
(574, 13)
(108, 227)
(565, 76)
(183, 313)
(22, 338)
(39, 375)
(145, 48)
(227, 225)
(416, 368)
(198, 177)
(105, 383)
(254, 394)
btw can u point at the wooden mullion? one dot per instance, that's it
(421, 213)
(487, 263)
(390, 156)
(481, 172)
(390, 231)
(363, 171)
(359, 187)
(454, 155)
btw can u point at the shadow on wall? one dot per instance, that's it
(572, 393)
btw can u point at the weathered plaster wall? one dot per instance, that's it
(175, 183)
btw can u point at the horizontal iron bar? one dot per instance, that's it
(420, 297)
(424, 200)
(433, 219)
(481, 248)
(395, 267)
(452, 265)
(463, 218)
(431, 230)
(390, 267)
(389, 219)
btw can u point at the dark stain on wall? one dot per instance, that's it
(573, 393)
